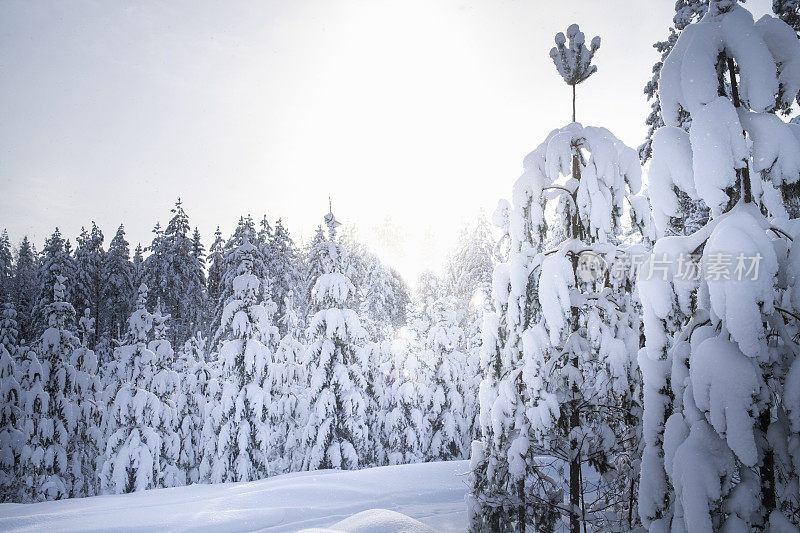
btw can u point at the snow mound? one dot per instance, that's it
(375, 521)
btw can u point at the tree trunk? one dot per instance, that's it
(574, 422)
(743, 173)
(573, 103)
(574, 418)
(574, 471)
(521, 508)
(767, 473)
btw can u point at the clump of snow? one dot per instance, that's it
(724, 383)
(333, 289)
(699, 465)
(785, 48)
(716, 134)
(671, 167)
(557, 279)
(739, 297)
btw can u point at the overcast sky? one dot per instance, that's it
(412, 115)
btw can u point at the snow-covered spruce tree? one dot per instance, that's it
(55, 349)
(190, 366)
(362, 268)
(9, 328)
(686, 12)
(166, 385)
(211, 389)
(719, 366)
(36, 460)
(406, 424)
(262, 244)
(175, 275)
(789, 12)
(136, 429)
(336, 434)
(420, 308)
(138, 266)
(6, 268)
(25, 290)
(230, 265)
(89, 277)
(383, 300)
(198, 250)
(118, 288)
(55, 261)
(11, 437)
(504, 496)
(693, 213)
(87, 435)
(470, 384)
(287, 383)
(468, 276)
(313, 269)
(371, 293)
(374, 358)
(399, 298)
(468, 281)
(9, 336)
(215, 271)
(403, 422)
(241, 452)
(381, 295)
(12, 404)
(443, 369)
(284, 266)
(561, 379)
(264, 235)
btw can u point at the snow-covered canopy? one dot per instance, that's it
(705, 163)
(333, 289)
(609, 171)
(767, 54)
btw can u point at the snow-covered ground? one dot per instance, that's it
(432, 494)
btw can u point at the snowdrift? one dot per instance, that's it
(405, 498)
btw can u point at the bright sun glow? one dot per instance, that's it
(478, 300)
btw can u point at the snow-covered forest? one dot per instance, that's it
(171, 366)
(618, 350)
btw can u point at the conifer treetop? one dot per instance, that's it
(574, 60)
(331, 221)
